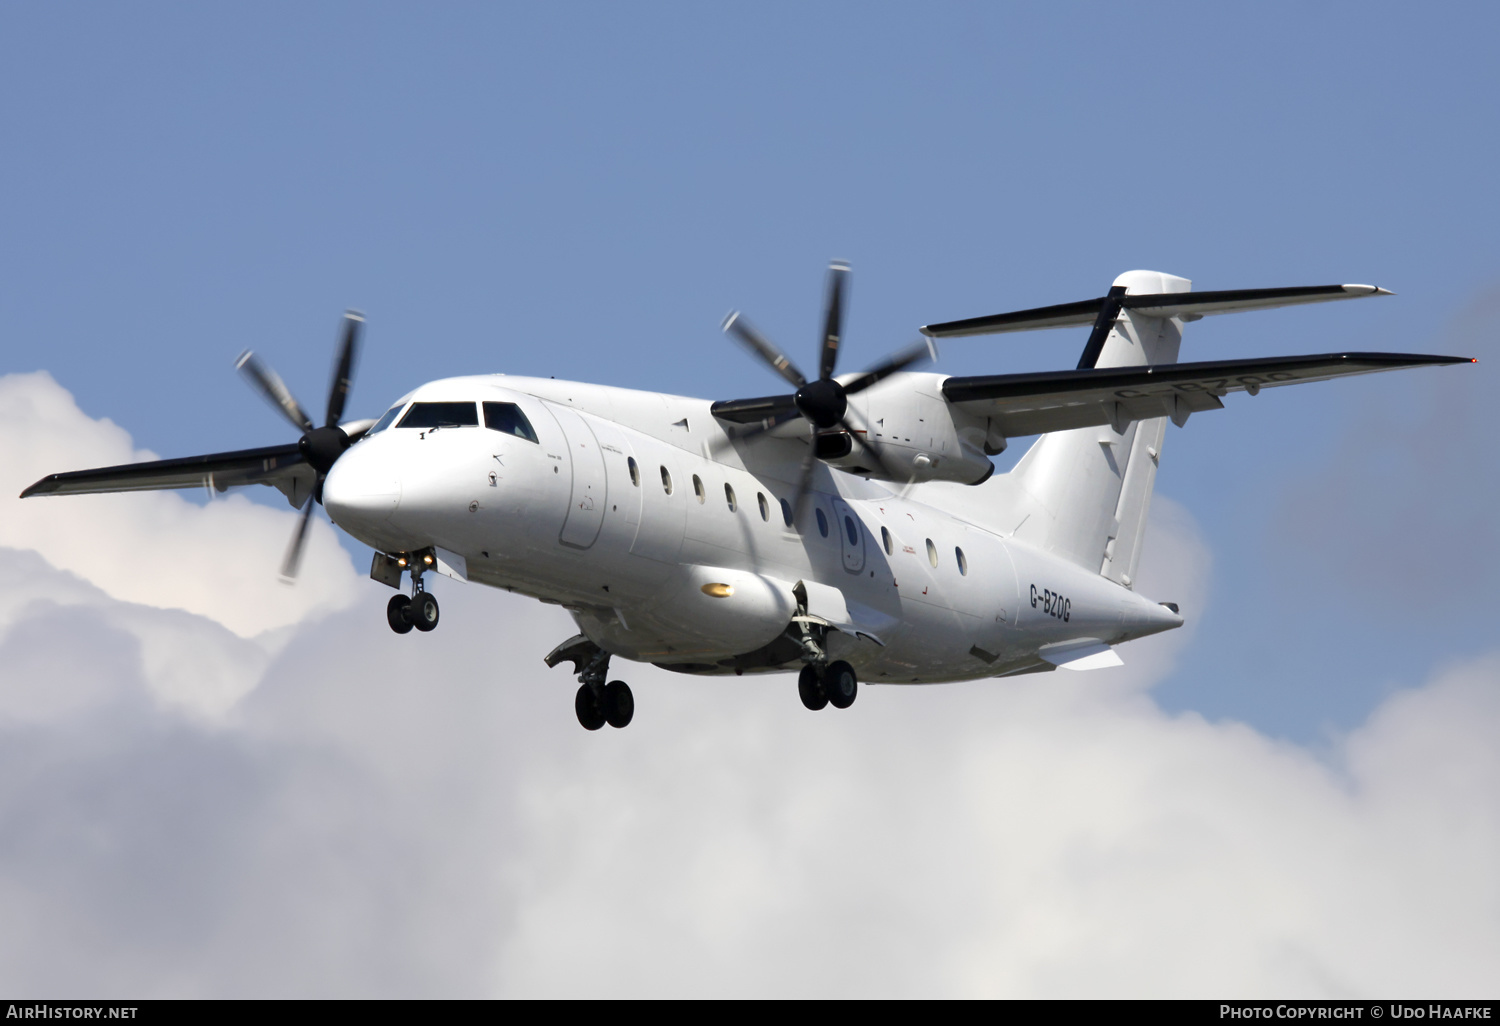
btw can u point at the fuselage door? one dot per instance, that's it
(586, 509)
(851, 536)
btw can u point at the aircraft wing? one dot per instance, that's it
(1031, 404)
(281, 466)
(754, 411)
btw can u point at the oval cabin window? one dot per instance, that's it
(698, 488)
(765, 507)
(729, 498)
(822, 523)
(886, 543)
(666, 481)
(931, 552)
(963, 564)
(635, 471)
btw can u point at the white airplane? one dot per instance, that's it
(855, 528)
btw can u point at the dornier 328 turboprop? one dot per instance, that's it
(853, 529)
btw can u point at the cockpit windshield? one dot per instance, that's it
(385, 421)
(508, 418)
(440, 415)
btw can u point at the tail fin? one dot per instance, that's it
(1086, 492)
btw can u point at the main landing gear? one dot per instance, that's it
(823, 683)
(834, 685)
(596, 702)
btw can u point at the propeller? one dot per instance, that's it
(823, 402)
(320, 446)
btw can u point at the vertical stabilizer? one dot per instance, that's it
(1087, 491)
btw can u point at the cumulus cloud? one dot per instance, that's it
(355, 813)
(153, 548)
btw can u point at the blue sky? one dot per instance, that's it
(583, 190)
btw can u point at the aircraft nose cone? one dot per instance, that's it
(360, 491)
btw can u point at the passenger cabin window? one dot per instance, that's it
(698, 488)
(885, 542)
(635, 471)
(440, 415)
(822, 523)
(765, 508)
(508, 419)
(666, 481)
(729, 498)
(851, 530)
(931, 552)
(786, 512)
(963, 564)
(388, 419)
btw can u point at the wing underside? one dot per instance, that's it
(1032, 404)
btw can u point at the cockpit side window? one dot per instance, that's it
(440, 415)
(390, 415)
(508, 418)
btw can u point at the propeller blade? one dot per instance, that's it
(833, 317)
(343, 373)
(890, 365)
(740, 329)
(804, 478)
(265, 381)
(293, 557)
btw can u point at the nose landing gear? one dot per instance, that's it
(419, 611)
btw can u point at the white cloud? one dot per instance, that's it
(383, 815)
(153, 548)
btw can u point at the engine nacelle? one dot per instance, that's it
(917, 434)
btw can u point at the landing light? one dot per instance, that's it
(427, 560)
(718, 590)
(401, 562)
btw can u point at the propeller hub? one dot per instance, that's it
(322, 446)
(823, 402)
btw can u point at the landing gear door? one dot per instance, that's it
(586, 508)
(851, 536)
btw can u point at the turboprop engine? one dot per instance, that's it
(911, 433)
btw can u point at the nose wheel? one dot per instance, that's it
(419, 611)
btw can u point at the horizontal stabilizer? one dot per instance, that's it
(1031, 404)
(1187, 305)
(281, 466)
(1083, 654)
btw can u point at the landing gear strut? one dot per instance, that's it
(822, 683)
(419, 611)
(596, 702)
